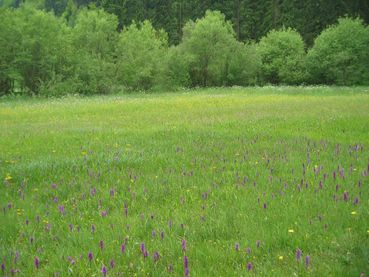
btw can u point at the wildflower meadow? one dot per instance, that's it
(213, 182)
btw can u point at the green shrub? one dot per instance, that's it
(174, 70)
(94, 38)
(208, 44)
(95, 32)
(32, 48)
(9, 47)
(340, 54)
(139, 52)
(283, 57)
(244, 65)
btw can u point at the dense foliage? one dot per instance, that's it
(139, 52)
(89, 51)
(208, 43)
(282, 54)
(341, 54)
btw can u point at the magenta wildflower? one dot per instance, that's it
(249, 266)
(123, 248)
(184, 245)
(112, 263)
(70, 227)
(104, 213)
(37, 262)
(156, 256)
(112, 192)
(237, 246)
(104, 270)
(71, 260)
(93, 191)
(153, 234)
(298, 254)
(53, 186)
(185, 265)
(61, 209)
(143, 250)
(307, 261)
(90, 256)
(248, 250)
(27, 221)
(264, 205)
(3, 267)
(92, 228)
(162, 235)
(345, 196)
(101, 244)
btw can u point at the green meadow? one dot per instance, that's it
(269, 181)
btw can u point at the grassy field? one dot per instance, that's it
(239, 181)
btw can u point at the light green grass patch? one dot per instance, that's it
(206, 160)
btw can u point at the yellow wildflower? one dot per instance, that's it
(291, 231)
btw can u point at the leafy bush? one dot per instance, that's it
(140, 50)
(94, 38)
(95, 32)
(244, 65)
(340, 54)
(283, 56)
(174, 70)
(32, 48)
(208, 42)
(9, 47)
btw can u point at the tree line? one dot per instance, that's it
(88, 51)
